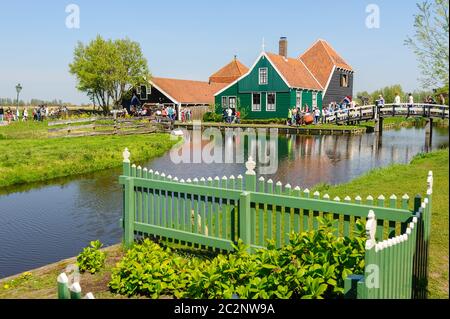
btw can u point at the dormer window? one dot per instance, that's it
(262, 76)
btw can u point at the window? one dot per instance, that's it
(143, 92)
(298, 99)
(271, 102)
(344, 80)
(232, 102)
(224, 102)
(262, 76)
(314, 99)
(256, 102)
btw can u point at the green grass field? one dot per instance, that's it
(26, 155)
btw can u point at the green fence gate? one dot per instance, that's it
(215, 213)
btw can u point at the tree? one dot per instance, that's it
(106, 69)
(430, 42)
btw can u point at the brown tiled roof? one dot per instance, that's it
(295, 72)
(229, 73)
(320, 59)
(187, 91)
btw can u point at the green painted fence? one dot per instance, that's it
(70, 291)
(397, 267)
(215, 213)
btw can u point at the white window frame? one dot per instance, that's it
(260, 77)
(298, 102)
(235, 101)
(314, 100)
(253, 105)
(146, 92)
(225, 105)
(274, 109)
(346, 77)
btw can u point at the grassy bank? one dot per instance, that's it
(396, 179)
(27, 156)
(411, 179)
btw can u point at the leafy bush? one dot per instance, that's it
(313, 265)
(151, 270)
(212, 117)
(91, 259)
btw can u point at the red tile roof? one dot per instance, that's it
(187, 91)
(229, 73)
(320, 59)
(295, 72)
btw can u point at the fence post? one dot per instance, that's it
(63, 288)
(350, 286)
(250, 175)
(370, 259)
(245, 219)
(75, 291)
(126, 162)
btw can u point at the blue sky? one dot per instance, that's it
(192, 39)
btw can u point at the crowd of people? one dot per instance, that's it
(231, 115)
(39, 113)
(161, 112)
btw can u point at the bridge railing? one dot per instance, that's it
(369, 112)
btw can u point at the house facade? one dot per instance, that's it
(276, 83)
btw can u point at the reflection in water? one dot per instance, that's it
(54, 220)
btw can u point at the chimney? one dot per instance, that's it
(283, 47)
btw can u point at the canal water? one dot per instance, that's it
(46, 222)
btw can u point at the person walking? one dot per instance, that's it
(397, 100)
(2, 113)
(410, 104)
(25, 115)
(289, 118)
(316, 115)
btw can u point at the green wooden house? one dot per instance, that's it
(272, 85)
(275, 83)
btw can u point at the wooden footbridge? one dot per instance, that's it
(373, 112)
(378, 112)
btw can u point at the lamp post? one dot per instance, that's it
(18, 89)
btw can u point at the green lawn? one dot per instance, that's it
(27, 156)
(411, 179)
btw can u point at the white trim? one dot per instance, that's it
(267, 100)
(329, 80)
(346, 77)
(259, 76)
(313, 94)
(146, 92)
(163, 92)
(243, 76)
(278, 71)
(253, 110)
(235, 101)
(301, 98)
(226, 102)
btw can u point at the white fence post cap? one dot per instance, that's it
(126, 155)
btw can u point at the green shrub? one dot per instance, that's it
(313, 265)
(212, 117)
(148, 269)
(91, 259)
